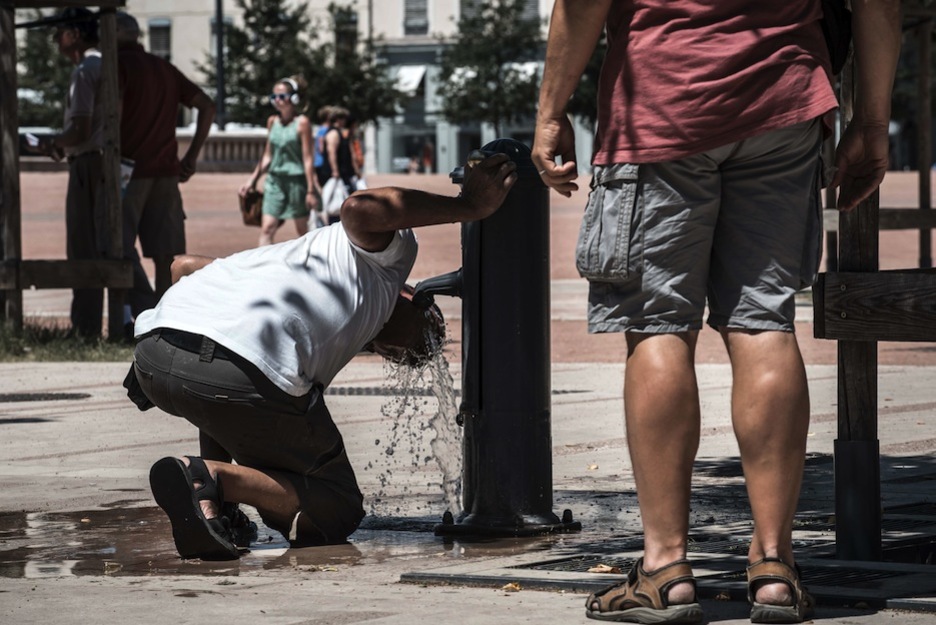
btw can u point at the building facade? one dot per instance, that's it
(410, 36)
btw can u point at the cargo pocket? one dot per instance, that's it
(605, 251)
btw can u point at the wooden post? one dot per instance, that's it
(925, 126)
(111, 163)
(11, 304)
(857, 454)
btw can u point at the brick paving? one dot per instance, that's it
(214, 229)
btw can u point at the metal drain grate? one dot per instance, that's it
(383, 391)
(578, 564)
(912, 479)
(887, 525)
(718, 545)
(914, 509)
(18, 397)
(829, 576)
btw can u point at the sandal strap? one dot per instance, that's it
(774, 570)
(210, 488)
(644, 589)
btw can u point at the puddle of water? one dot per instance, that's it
(138, 542)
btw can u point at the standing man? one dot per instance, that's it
(82, 142)
(706, 190)
(151, 91)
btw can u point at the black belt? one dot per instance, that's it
(206, 348)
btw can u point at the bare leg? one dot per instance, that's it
(770, 413)
(268, 227)
(163, 265)
(661, 406)
(267, 491)
(302, 225)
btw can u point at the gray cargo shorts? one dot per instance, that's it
(739, 226)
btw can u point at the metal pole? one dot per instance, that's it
(220, 113)
(506, 395)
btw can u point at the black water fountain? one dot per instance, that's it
(505, 410)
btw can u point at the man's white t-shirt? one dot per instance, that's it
(299, 310)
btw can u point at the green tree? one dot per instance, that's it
(352, 78)
(278, 40)
(43, 75)
(485, 79)
(274, 43)
(584, 102)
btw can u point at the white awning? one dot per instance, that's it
(408, 78)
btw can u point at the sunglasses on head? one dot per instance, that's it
(279, 96)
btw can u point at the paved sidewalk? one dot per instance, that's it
(80, 537)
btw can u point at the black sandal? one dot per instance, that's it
(174, 488)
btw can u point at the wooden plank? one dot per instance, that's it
(66, 274)
(111, 161)
(925, 129)
(890, 219)
(884, 306)
(11, 307)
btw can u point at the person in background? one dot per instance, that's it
(353, 134)
(82, 142)
(705, 193)
(337, 175)
(151, 90)
(290, 190)
(321, 116)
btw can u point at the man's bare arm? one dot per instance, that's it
(371, 217)
(574, 30)
(187, 264)
(862, 155)
(206, 114)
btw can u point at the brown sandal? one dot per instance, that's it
(775, 570)
(642, 597)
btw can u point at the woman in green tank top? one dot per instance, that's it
(291, 189)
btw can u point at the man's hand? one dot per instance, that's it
(861, 161)
(187, 167)
(486, 184)
(555, 137)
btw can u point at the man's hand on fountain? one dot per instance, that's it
(487, 184)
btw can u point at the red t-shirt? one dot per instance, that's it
(152, 90)
(682, 77)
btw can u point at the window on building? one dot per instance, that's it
(160, 38)
(469, 8)
(346, 31)
(531, 9)
(416, 17)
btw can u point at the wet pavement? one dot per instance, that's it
(82, 541)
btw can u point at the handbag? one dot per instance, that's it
(837, 30)
(251, 207)
(334, 193)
